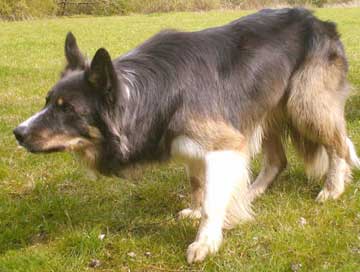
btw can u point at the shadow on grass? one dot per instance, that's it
(52, 210)
(294, 181)
(353, 108)
(144, 210)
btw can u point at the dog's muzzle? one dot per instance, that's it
(19, 133)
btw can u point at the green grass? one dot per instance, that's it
(51, 214)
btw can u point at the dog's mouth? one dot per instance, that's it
(38, 148)
(54, 145)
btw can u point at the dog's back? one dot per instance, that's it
(237, 72)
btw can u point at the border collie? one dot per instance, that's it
(211, 99)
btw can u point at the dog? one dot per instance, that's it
(210, 99)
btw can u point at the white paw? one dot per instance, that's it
(325, 194)
(189, 213)
(197, 252)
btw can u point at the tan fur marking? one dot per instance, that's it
(85, 148)
(89, 152)
(60, 101)
(215, 135)
(316, 104)
(94, 132)
(68, 142)
(218, 136)
(197, 184)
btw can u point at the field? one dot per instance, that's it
(52, 213)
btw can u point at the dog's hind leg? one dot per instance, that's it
(325, 149)
(339, 170)
(195, 172)
(335, 179)
(274, 162)
(316, 109)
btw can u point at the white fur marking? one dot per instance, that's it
(226, 177)
(127, 91)
(190, 213)
(128, 75)
(186, 148)
(29, 121)
(355, 161)
(256, 141)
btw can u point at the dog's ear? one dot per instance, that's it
(74, 57)
(101, 74)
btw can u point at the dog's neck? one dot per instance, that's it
(134, 128)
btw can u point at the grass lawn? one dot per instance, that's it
(51, 213)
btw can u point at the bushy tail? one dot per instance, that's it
(317, 163)
(315, 157)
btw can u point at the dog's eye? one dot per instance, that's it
(60, 102)
(63, 105)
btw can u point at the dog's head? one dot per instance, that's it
(69, 120)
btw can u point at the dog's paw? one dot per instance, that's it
(326, 194)
(198, 250)
(189, 213)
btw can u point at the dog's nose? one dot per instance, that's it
(19, 133)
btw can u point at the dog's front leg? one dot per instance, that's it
(195, 172)
(226, 173)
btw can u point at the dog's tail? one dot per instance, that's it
(315, 157)
(353, 160)
(317, 163)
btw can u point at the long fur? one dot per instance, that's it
(318, 165)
